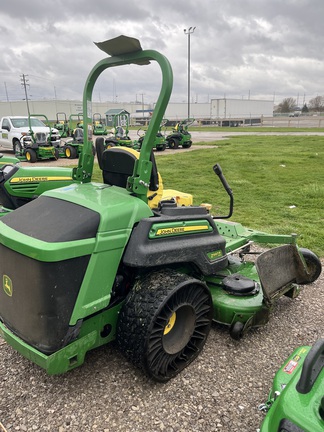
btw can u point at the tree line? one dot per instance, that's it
(290, 105)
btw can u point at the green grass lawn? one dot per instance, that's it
(278, 182)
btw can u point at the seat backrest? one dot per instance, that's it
(117, 164)
(78, 135)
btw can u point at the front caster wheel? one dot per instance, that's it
(164, 323)
(237, 330)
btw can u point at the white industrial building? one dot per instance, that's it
(218, 111)
(240, 108)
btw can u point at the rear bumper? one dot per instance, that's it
(59, 362)
(92, 335)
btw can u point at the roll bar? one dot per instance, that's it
(125, 50)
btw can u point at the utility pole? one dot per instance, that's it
(5, 85)
(142, 94)
(25, 82)
(188, 32)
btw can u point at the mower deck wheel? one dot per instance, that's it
(237, 330)
(164, 323)
(313, 263)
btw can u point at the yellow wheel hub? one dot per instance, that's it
(170, 323)
(68, 153)
(28, 156)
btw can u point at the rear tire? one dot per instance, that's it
(31, 155)
(173, 143)
(164, 323)
(70, 152)
(313, 263)
(109, 144)
(161, 147)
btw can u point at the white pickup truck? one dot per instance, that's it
(13, 128)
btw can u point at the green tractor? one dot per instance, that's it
(118, 135)
(152, 279)
(98, 126)
(73, 146)
(159, 142)
(180, 135)
(62, 125)
(37, 145)
(296, 400)
(20, 184)
(75, 122)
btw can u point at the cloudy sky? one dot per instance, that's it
(262, 49)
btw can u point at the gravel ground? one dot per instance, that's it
(219, 391)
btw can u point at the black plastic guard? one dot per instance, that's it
(142, 251)
(278, 269)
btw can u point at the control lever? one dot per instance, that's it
(218, 171)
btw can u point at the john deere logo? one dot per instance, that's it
(7, 285)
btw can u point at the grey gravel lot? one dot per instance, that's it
(220, 391)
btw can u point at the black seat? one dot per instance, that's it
(117, 164)
(78, 135)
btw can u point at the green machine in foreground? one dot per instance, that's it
(116, 269)
(296, 400)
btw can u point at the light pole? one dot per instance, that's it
(188, 32)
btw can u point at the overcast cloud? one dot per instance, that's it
(264, 49)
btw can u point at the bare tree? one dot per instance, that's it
(287, 105)
(316, 104)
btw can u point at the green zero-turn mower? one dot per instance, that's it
(38, 145)
(160, 143)
(20, 185)
(62, 125)
(296, 400)
(75, 121)
(118, 135)
(180, 135)
(73, 146)
(98, 126)
(151, 279)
